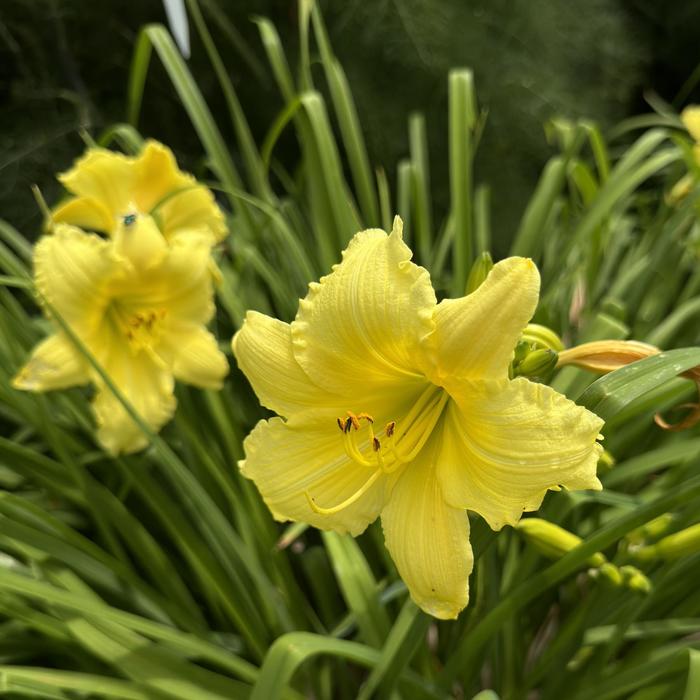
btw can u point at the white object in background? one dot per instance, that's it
(180, 29)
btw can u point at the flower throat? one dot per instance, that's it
(390, 449)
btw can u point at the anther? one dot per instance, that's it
(376, 444)
(354, 420)
(341, 425)
(365, 416)
(348, 425)
(390, 427)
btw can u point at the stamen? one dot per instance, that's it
(353, 452)
(434, 416)
(403, 442)
(348, 501)
(354, 420)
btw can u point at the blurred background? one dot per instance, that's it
(64, 67)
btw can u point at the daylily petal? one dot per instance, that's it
(103, 176)
(196, 358)
(86, 213)
(475, 335)
(155, 175)
(73, 270)
(305, 455)
(55, 364)
(263, 349)
(360, 328)
(181, 203)
(140, 242)
(148, 387)
(428, 539)
(181, 285)
(191, 208)
(505, 443)
(691, 120)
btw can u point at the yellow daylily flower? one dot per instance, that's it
(110, 188)
(396, 406)
(140, 306)
(690, 117)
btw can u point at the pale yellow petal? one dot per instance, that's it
(140, 242)
(104, 177)
(85, 213)
(505, 443)
(360, 328)
(475, 335)
(691, 120)
(54, 364)
(305, 455)
(428, 539)
(196, 358)
(146, 385)
(73, 271)
(155, 175)
(179, 288)
(263, 350)
(180, 202)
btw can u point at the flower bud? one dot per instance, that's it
(538, 363)
(553, 541)
(610, 573)
(606, 355)
(479, 272)
(679, 544)
(651, 530)
(635, 580)
(542, 337)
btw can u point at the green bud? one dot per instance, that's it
(635, 580)
(479, 272)
(678, 544)
(553, 541)
(610, 573)
(651, 530)
(542, 337)
(538, 363)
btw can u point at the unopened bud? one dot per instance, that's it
(606, 355)
(609, 573)
(542, 337)
(553, 541)
(651, 530)
(635, 580)
(679, 544)
(479, 272)
(538, 363)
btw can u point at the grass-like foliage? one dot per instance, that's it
(163, 575)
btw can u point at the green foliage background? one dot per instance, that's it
(161, 575)
(63, 62)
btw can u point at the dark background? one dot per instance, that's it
(64, 66)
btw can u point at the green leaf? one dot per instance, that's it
(611, 393)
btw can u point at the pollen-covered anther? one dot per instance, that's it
(390, 428)
(354, 420)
